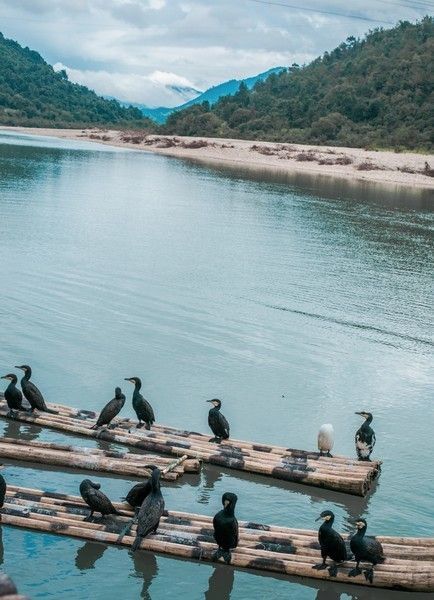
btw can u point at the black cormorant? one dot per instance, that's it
(95, 499)
(111, 409)
(151, 510)
(365, 437)
(2, 490)
(31, 392)
(365, 549)
(217, 422)
(139, 492)
(13, 395)
(332, 544)
(142, 407)
(226, 528)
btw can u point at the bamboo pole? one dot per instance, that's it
(409, 562)
(340, 474)
(93, 459)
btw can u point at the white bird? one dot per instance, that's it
(326, 439)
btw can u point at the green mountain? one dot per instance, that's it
(371, 92)
(33, 94)
(212, 95)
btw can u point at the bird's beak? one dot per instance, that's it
(208, 400)
(358, 413)
(319, 519)
(17, 367)
(127, 379)
(4, 377)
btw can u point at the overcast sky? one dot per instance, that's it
(138, 49)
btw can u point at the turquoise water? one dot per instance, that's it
(296, 302)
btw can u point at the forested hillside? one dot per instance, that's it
(372, 92)
(33, 94)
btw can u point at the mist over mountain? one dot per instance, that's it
(212, 95)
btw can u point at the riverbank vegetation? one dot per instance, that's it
(33, 94)
(371, 92)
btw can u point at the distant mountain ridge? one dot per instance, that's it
(33, 94)
(212, 95)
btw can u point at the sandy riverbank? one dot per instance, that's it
(402, 169)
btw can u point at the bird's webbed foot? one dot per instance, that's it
(89, 518)
(12, 414)
(213, 440)
(333, 570)
(148, 426)
(329, 455)
(354, 572)
(320, 566)
(369, 575)
(225, 554)
(139, 425)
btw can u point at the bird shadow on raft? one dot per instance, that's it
(354, 506)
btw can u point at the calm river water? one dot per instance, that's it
(297, 303)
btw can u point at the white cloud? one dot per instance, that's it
(159, 88)
(121, 47)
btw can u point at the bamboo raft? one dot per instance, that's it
(338, 473)
(92, 459)
(409, 562)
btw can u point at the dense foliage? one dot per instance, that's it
(33, 94)
(374, 92)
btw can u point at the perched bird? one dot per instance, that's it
(142, 407)
(13, 395)
(326, 439)
(139, 492)
(226, 528)
(365, 549)
(111, 409)
(95, 499)
(151, 510)
(31, 392)
(332, 544)
(217, 422)
(2, 490)
(365, 437)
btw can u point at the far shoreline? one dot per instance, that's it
(393, 169)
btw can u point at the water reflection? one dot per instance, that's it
(209, 477)
(88, 554)
(14, 429)
(146, 567)
(220, 584)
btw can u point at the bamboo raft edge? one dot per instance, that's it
(95, 460)
(261, 547)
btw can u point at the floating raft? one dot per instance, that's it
(338, 473)
(409, 562)
(92, 459)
